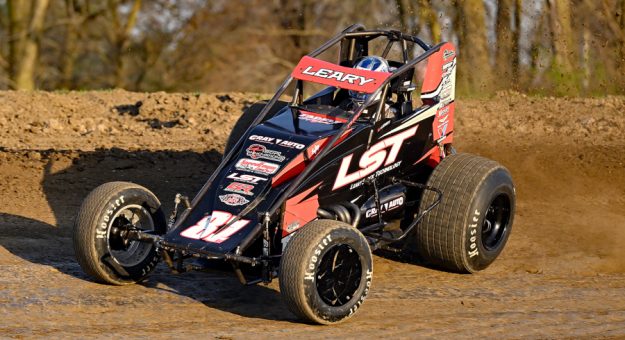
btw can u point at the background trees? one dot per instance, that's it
(544, 46)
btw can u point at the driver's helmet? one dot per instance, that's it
(370, 63)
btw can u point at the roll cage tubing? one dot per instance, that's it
(356, 30)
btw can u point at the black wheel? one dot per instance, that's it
(246, 119)
(100, 243)
(326, 271)
(469, 228)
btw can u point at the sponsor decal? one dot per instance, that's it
(240, 188)
(323, 72)
(293, 226)
(314, 150)
(388, 206)
(384, 152)
(246, 178)
(258, 167)
(207, 229)
(448, 54)
(257, 151)
(473, 250)
(342, 77)
(443, 120)
(446, 89)
(233, 199)
(320, 119)
(375, 175)
(277, 141)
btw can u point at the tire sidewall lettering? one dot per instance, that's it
(104, 223)
(329, 240)
(475, 254)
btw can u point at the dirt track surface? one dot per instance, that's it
(562, 273)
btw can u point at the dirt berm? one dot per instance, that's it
(561, 275)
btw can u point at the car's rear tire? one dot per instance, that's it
(470, 227)
(99, 244)
(247, 118)
(326, 271)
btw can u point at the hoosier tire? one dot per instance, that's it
(470, 227)
(98, 235)
(326, 272)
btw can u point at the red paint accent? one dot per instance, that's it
(294, 168)
(298, 164)
(432, 157)
(298, 210)
(345, 135)
(315, 148)
(308, 65)
(434, 71)
(435, 158)
(427, 154)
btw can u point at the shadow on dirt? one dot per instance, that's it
(69, 176)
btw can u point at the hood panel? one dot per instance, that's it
(267, 149)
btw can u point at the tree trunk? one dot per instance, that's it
(428, 16)
(507, 58)
(476, 75)
(560, 11)
(26, 22)
(404, 7)
(19, 12)
(586, 51)
(69, 46)
(121, 38)
(622, 47)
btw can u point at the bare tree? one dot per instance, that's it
(562, 31)
(507, 28)
(79, 14)
(622, 44)
(120, 36)
(26, 19)
(427, 15)
(473, 45)
(405, 9)
(222, 45)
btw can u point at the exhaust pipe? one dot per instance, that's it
(345, 212)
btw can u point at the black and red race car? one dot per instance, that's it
(308, 187)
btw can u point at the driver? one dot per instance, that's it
(369, 63)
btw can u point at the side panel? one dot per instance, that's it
(345, 176)
(439, 91)
(317, 190)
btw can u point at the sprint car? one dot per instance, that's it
(308, 187)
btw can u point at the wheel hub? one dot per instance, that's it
(338, 275)
(496, 222)
(125, 251)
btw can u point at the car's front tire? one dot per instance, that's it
(326, 272)
(104, 217)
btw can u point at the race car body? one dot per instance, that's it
(355, 159)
